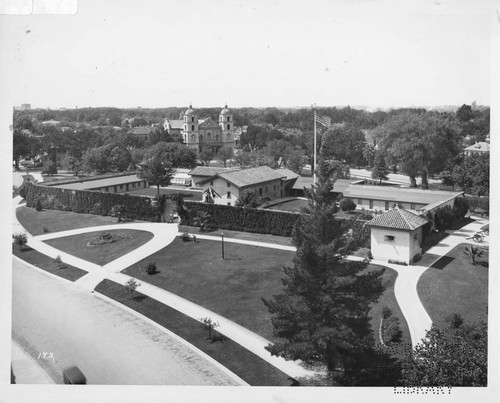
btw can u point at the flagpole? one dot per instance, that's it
(314, 159)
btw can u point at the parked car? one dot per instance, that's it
(73, 376)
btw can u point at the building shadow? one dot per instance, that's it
(443, 262)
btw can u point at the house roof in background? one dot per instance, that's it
(397, 218)
(481, 147)
(339, 185)
(209, 171)
(288, 173)
(141, 130)
(251, 176)
(176, 123)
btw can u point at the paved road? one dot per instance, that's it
(109, 344)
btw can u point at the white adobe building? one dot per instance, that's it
(396, 236)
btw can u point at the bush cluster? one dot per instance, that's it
(391, 332)
(476, 202)
(92, 202)
(243, 219)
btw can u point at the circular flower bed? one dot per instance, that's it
(106, 238)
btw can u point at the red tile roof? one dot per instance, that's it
(398, 219)
(251, 176)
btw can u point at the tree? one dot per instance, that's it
(464, 113)
(472, 175)
(380, 169)
(207, 154)
(454, 356)
(71, 163)
(179, 155)
(248, 198)
(344, 144)
(131, 285)
(295, 161)
(224, 154)
(157, 172)
(369, 154)
(97, 159)
(120, 158)
(347, 205)
(21, 147)
(420, 143)
(20, 239)
(322, 314)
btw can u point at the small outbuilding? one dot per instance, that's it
(396, 236)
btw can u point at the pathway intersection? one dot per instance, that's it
(405, 287)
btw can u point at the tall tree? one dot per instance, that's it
(454, 356)
(207, 154)
(420, 143)
(344, 144)
(322, 315)
(179, 155)
(157, 172)
(472, 174)
(224, 154)
(21, 146)
(380, 169)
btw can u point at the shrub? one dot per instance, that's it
(50, 170)
(209, 325)
(46, 230)
(20, 239)
(473, 253)
(443, 218)
(38, 205)
(386, 312)
(58, 259)
(185, 236)
(131, 285)
(456, 320)
(347, 205)
(151, 268)
(460, 208)
(391, 332)
(394, 261)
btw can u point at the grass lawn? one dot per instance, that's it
(452, 285)
(55, 220)
(291, 205)
(232, 287)
(103, 254)
(230, 354)
(46, 263)
(248, 236)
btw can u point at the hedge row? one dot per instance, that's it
(243, 219)
(476, 202)
(92, 202)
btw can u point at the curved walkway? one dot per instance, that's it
(405, 287)
(164, 234)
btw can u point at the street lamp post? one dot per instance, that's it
(222, 235)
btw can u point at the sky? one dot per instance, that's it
(378, 53)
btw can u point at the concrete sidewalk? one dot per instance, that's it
(26, 370)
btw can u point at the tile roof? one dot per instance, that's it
(176, 124)
(397, 194)
(481, 147)
(141, 130)
(209, 171)
(251, 176)
(338, 187)
(99, 183)
(398, 219)
(288, 173)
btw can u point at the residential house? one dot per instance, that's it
(229, 185)
(141, 132)
(396, 236)
(480, 148)
(201, 173)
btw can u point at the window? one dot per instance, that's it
(185, 127)
(389, 238)
(371, 204)
(228, 203)
(360, 202)
(260, 191)
(193, 137)
(415, 237)
(413, 206)
(274, 187)
(216, 137)
(209, 136)
(211, 183)
(185, 118)
(192, 127)
(228, 195)
(228, 127)
(228, 185)
(228, 119)
(387, 205)
(192, 119)
(265, 189)
(228, 135)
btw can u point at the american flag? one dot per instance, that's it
(324, 120)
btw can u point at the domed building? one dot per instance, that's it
(198, 133)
